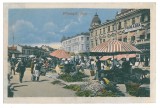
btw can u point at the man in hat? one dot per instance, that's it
(98, 69)
(37, 68)
(32, 69)
(22, 67)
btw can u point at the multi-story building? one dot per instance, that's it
(130, 25)
(77, 44)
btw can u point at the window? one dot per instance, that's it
(119, 25)
(148, 36)
(146, 18)
(87, 38)
(91, 33)
(28, 52)
(100, 40)
(81, 38)
(87, 47)
(112, 27)
(96, 32)
(133, 21)
(108, 28)
(104, 30)
(96, 43)
(91, 43)
(125, 24)
(142, 37)
(103, 40)
(82, 46)
(23, 51)
(124, 39)
(100, 31)
(120, 39)
(132, 38)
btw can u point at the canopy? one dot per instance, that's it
(60, 54)
(114, 47)
(105, 58)
(118, 57)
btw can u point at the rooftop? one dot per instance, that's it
(83, 33)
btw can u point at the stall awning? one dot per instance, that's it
(60, 54)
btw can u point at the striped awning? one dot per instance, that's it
(118, 57)
(115, 47)
(106, 58)
(60, 54)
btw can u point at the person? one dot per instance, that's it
(12, 63)
(22, 67)
(66, 66)
(32, 70)
(108, 64)
(37, 68)
(126, 69)
(98, 69)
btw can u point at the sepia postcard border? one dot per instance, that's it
(142, 5)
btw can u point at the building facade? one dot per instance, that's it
(29, 50)
(77, 44)
(130, 25)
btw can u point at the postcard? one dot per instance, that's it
(79, 53)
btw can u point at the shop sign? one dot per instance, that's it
(133, 27)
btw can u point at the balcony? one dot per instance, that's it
(143, 41)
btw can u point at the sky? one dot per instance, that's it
(48, 26)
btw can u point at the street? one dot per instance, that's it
(43, 88)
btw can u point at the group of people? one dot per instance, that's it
(110, 65)
(20, 67)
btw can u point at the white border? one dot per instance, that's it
(96, 106)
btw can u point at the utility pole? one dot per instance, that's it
(13, 39)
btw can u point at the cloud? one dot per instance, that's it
(22, 24)
(50, 26)
(72, 23)
(67, 26)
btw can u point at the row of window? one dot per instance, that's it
(74, 40)
(119, 25)
(122, 39)
(77, 48)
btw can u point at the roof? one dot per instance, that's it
(66, 38)
(95, 20)
(12, 48)
(14, 51)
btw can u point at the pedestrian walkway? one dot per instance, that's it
(43, 88)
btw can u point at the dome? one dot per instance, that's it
(95, 20)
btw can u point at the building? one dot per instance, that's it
(130, 25)
(77, 44)
(29, 50)
(13, 52)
